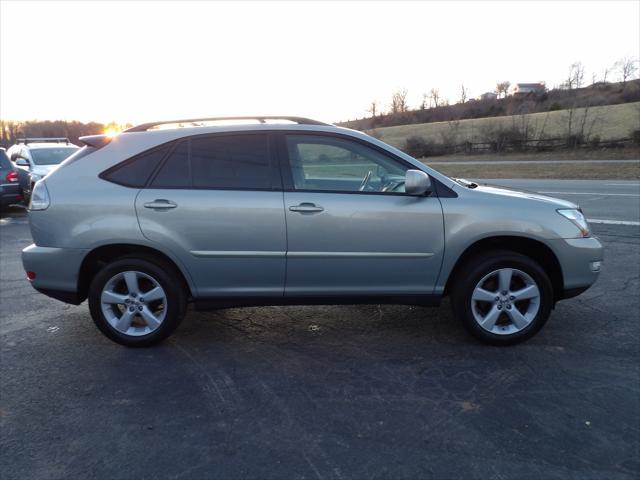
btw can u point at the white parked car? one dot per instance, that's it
(39, 156)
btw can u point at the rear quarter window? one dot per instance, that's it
(136, 171)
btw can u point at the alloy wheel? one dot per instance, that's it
(505, 301)
(134, 303)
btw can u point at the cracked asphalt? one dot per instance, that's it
(342, 392)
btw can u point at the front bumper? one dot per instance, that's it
(579, 259)
(56, 270)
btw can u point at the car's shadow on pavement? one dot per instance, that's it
(13, 212)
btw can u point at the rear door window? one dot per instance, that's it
(229, 162)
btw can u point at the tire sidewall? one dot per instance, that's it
(461, 297)
(175, 305)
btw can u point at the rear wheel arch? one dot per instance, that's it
(534, 249)
(97, 258)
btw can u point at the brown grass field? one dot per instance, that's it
(606, 122)
(605, 170)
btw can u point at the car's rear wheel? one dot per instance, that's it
(137, 301)
(503, 297)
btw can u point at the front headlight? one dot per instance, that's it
(577, 218)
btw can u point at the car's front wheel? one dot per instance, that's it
(137, 301)
(503, 297)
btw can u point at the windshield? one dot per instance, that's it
(51, 156)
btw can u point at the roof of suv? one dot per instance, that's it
(211, 121)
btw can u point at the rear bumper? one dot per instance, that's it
(580, 260)
(10, 193)
(56, 270)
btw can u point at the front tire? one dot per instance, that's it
(503, 298)
(136, 301)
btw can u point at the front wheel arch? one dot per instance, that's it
(534, 249)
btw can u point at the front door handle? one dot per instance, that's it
(160, 203)
(306, 207)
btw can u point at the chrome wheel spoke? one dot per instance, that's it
(504, 279)
(526, 293)
(489, 321)
(150, 318)
(154, 294)
(517, 318)
(482, 295)
(113, 298)
(124, 322)
(131, 279)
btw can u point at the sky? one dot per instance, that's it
(142, 61)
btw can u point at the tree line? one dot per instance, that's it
(625, 70)
(11, 131)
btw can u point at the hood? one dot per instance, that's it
(508, 192)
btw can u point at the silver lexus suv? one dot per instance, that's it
(241, 211)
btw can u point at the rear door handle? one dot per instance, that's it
(306, 208)
(160, 203)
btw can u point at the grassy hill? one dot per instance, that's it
(608, 122)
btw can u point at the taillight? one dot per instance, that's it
(39, 196)
(12, 176)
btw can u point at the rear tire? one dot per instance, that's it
(502, 297)
(120, 310)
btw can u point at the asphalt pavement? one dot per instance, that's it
(337, 392)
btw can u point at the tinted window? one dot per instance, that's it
(175, 171)
(230, 161)
(4, 160)
(136, 171)
(335, 164)
(237, 161)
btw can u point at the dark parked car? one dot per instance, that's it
(10, 190)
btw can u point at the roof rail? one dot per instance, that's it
(42, 140)
(262, 119)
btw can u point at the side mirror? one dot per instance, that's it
(14, 156)
(22, 162)
(417, 182)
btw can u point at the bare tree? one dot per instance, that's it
(399, 101)
(502, 88)
(576, 76)
(373, 108)
(463, 94)
(423, 105)
(626, 67)
(434, 96)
